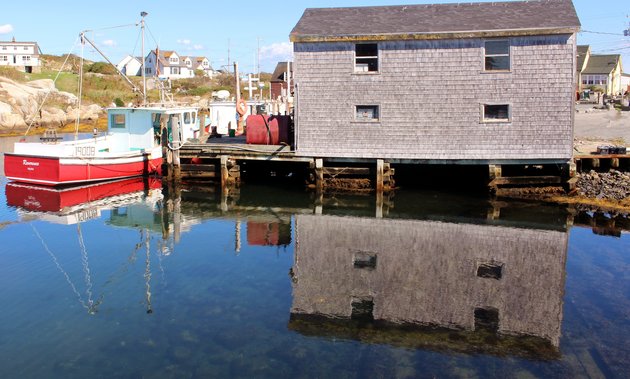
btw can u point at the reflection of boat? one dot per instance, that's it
(430, 284)
(128, 149)
(70, 205)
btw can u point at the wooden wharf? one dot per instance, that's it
(222, 160)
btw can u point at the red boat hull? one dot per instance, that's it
(54, 171)
(47, 199)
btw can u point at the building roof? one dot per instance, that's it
(437, 21)
(582, 52)
(601, 64)
(14, 42)
(278, 73)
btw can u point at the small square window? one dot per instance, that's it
(366, 57)
(496, 113)
(367, 113)
(362, 308)
(497, 55)
(487, 318)
(186, 117)
(490, 270)
(118, 121)
(364, 260)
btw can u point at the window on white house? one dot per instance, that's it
(175, 70)
(173, 60)
(497, 55)
(25, 47)
(367, 113)
(4, 47)
(496, 113)
(366, 57)
(26, 58)
(4, 58)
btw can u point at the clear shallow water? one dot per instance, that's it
(278, 283)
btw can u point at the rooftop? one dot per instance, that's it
(427, 21)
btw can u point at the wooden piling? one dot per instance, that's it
(224, 172)
(319, 174)
(379, 177)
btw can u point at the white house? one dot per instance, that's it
(24, 56)
(167, 64)
(130, 66)
(199, 63)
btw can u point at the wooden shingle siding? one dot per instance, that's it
(429, 93)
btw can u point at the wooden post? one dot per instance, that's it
(494, 172)
(379, 176)
(224, 172)
(379, 204)
(177, 143)
(319, 174)
(614, 162)
(239, 125)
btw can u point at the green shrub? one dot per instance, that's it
(101, 68)
(119, 103)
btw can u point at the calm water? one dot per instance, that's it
(278, 283)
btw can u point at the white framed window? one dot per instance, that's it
(173, 60)
(370, 113)
(497, 55)
(175, 70)
(496, 113)
(366, 57)
(26, 58)
(4, 58)
(4, 47)
(25, 47)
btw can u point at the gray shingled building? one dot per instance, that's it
(474, 83)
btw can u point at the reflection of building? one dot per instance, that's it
(455, 276)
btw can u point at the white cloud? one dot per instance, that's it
(183, 41)
(198, 47)
(109, 42)
(277, 51)
(5, 29)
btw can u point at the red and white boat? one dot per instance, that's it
(128, 149)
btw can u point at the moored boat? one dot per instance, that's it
(131, 147)
(128, 149)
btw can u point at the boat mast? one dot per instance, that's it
(144, 74)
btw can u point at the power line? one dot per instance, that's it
(592, 32)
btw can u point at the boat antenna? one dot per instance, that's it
(144, 74)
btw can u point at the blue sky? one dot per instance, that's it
(209, 28)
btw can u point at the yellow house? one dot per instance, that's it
(603, 71)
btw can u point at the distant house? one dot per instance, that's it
(130, 66)
(583, 53)
(603, 71)
(199, 64)
(167, 65)
(24, 56)
(625, 83)
(468, 83)
(279, 80)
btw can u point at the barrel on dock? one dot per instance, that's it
(268, 130)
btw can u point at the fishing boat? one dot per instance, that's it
(131, 147)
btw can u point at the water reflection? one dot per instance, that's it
(457, 281)
(441, 275)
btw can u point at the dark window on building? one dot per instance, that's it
(366, 57)
(497, 55)
(362, 309)
(365, 260)
(118, 121)
(496, 113)
(490, 270)
(487, 318)
(367, 113)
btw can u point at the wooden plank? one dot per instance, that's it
(346, 171)
(526, 180)
(199, 167)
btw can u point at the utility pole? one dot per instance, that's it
(228, 62)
